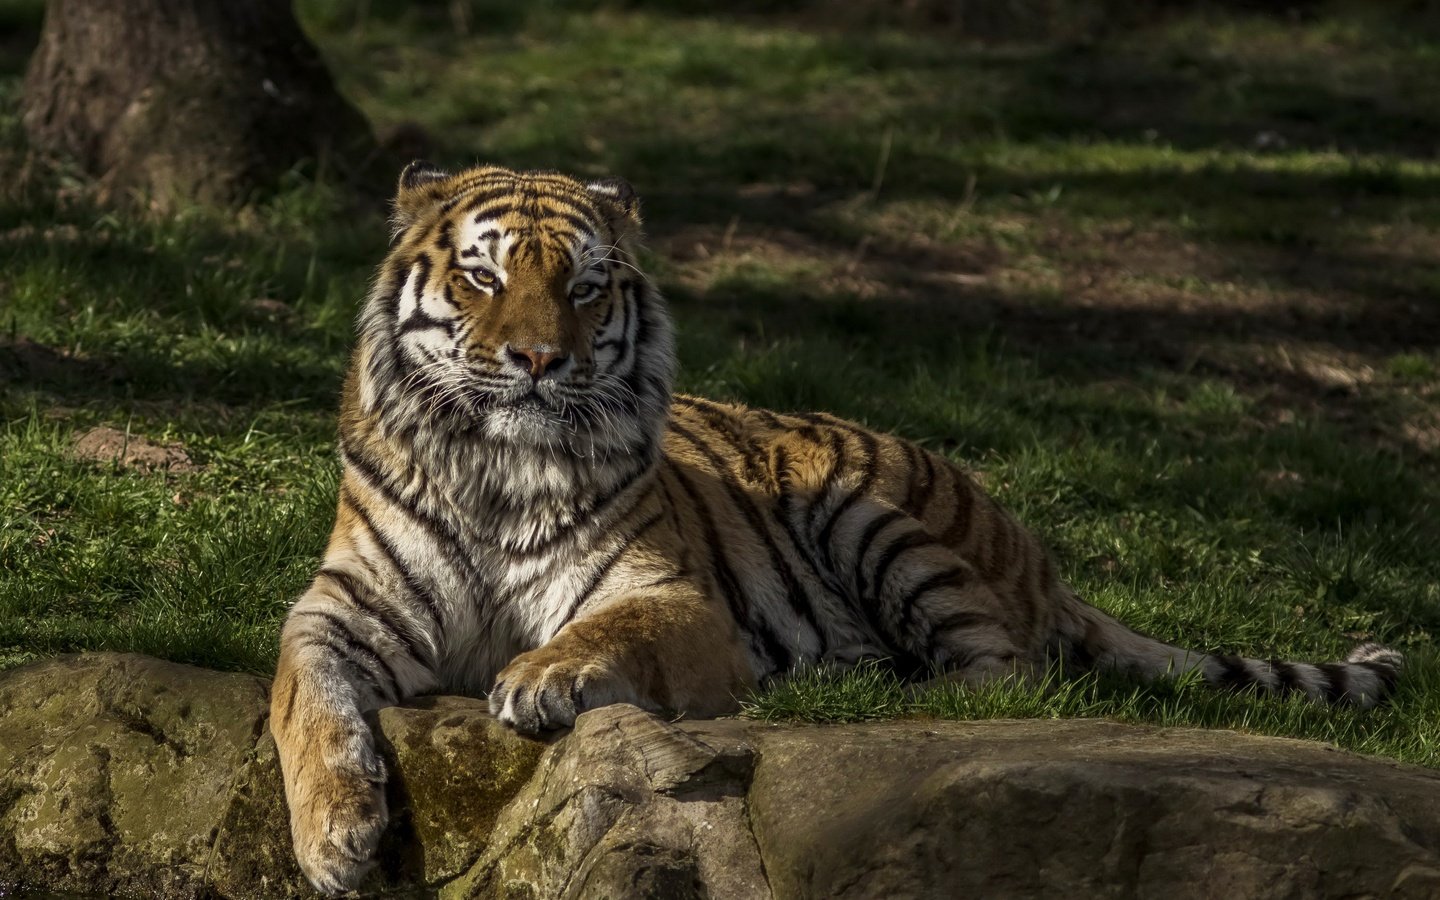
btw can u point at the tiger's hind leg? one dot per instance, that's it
(922, 598)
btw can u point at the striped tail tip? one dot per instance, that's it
(1366, 677)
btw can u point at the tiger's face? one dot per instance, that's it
(512, 300)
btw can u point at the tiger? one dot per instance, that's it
(529, 513)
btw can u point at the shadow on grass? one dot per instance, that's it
(1262, 227)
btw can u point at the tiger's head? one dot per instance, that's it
(511, 304)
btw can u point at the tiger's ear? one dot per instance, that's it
(421, 187)
(617, 194)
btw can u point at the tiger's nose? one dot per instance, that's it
(537, 362)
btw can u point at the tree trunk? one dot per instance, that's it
(205, 100)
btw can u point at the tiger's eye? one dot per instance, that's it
(482, 279)
(584, 293)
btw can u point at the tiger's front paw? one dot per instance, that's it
(341, 813)
(541, 691)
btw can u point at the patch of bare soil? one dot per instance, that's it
(27, 361)
(130, 451)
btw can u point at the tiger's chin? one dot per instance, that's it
(528, 420)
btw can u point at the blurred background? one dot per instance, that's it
(1165, 274)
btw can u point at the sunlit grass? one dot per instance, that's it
(1408, 728)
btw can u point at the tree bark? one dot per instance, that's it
(203, 100)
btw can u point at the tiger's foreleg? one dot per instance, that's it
(664, 648)
(344, 651)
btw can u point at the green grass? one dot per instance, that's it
(872, 693)
(1172, 291)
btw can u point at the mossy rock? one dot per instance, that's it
(117, 771)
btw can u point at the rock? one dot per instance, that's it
(126, 775)
(628, 806)
(1086, 808)
(117, 769)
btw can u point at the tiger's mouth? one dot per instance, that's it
(529, 401)
(525, 416)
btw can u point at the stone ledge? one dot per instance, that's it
(125, 775)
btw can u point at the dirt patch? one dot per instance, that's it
(130, 451)
(24, 360)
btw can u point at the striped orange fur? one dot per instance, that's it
(528, 513)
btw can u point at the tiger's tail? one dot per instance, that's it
(1099, 642)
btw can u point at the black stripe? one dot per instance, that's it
(587, 515)
(909, 541)
(1287, 677)
(439, 532)
(475, 200)
(499, 206)
(350, 645)
(632, 311)
(957, 531)
(419, 320)
(1389, 675)
(913, 483)
(355, 643)
(1079, 651)
(360, 594)
(421, 270)
(769, 418)
(598, 576)
(1337, 682)
(928, 480)
(1233, 673)
(840, 463)
(952, 576)
(862, 547)
(290, 704)
(965, 619)
(936, 488)
(1047, 571)
(553, 206)
(792, 587)
(673, 578)
(578, 222)
(780, 467)
(624, 285)
(726, 426)
(1027, 598)
(412, 583)
(997, 550)
(707, 408)
(774, 651)
(867, 478)
(625, 306)
(788, 518)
